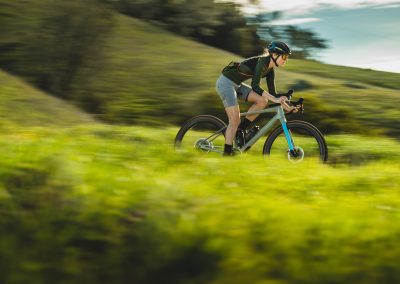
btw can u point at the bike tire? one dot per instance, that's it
(301, 127)
(206, 121)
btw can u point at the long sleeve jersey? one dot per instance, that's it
(255, 68)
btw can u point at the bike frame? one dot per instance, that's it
(280, 115)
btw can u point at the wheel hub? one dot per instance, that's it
(297, 156)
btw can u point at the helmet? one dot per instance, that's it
(279, 47)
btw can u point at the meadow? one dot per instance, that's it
(95, 203)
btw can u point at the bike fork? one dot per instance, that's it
(289, 138)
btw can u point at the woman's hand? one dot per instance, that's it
(283, 100)
(280, 100)
(290, 109)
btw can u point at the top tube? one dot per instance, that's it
(276, 109)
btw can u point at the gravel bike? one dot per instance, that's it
(293, 140)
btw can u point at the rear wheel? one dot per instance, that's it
(308, 140)
(204, 133)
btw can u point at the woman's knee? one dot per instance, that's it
(233, 113)
(257, 99)
(262, 102)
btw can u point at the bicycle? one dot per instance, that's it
(296, 139)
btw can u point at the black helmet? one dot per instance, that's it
(279, 47)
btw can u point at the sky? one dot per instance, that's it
(359, 33)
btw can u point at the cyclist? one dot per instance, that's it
(230, 86)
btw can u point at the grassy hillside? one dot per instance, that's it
(21, 105)
(152, 72)
(154, 76)
(348, 74)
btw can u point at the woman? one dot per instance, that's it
(230, 86)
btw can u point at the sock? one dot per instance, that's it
(228, 149)
(244, 123)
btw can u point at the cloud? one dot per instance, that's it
(388, 6)
(392, 65)
(296, 21)
(305, 6)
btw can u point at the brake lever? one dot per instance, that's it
(299, 103)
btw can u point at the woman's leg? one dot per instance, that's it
(227, 91)
(233, 113)
(259, 103)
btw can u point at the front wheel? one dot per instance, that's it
(203, 133)
(308, 140)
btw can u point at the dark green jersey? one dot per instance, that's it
(255, 68)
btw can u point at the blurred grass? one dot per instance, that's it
(111, 204)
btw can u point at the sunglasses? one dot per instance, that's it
(285, 56)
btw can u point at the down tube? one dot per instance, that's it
(288, 136)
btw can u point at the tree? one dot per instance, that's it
(53, 43)
(219, 24)
(304, 43)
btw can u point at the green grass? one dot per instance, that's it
(95, 203)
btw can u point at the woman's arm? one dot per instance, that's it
(258, 71)
(270, 79)
(274, 99)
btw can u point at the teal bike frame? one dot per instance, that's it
(280, 115)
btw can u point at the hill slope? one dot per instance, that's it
(23, 105)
